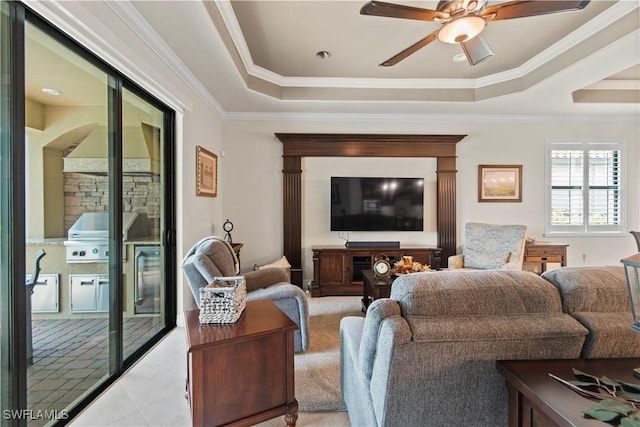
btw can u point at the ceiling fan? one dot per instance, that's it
(464, 20)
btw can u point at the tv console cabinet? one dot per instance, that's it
(337, 270)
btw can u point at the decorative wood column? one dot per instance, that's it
(446, 209)
(292, 215)
(299, 145)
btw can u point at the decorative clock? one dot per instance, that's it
(381, 266)
(228, 226)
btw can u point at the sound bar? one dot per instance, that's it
(374, 244)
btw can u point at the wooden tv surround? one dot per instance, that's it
(337, 270)
(297, 146)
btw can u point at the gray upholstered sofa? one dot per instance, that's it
(598, 298)
(213, 257)
(426, 356)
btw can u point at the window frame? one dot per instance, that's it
(586, 230)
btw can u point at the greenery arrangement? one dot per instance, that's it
(619, 401)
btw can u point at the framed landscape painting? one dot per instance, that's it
(206, 173)
(500, 183)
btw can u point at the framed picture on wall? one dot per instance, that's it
(500, 183)
(206, 173)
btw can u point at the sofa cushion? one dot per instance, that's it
(599, 289)
(610, 335)
(482, 260)
(480, 292)
(523, 329)
(266, 277)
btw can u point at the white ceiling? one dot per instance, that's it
(258, 58)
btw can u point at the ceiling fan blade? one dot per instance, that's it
(524, 8)
(378, 8)
(411, 49)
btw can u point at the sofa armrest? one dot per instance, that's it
(456, 261)
(293, 302)
(380, 311)
(265, 277)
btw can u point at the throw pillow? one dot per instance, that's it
(485, 260)
(279, 263)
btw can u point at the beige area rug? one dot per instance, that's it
(317, 375)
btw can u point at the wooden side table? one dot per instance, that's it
(545, 252)
(241, 373)
(536, 399)
(236, 249)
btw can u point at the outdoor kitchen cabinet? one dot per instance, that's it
(89, 293)
(45, 295)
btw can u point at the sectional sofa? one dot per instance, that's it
(426, 355)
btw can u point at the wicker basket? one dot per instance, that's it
(223, 300)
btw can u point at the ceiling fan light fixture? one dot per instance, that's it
(476, 50)
(462, 29)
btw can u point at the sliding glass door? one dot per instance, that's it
(12, 292)
(143, 199)
(66, 118)
(85, 261)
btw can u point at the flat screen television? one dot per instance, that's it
(377, 204)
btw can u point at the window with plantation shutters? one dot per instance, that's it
(584, 188)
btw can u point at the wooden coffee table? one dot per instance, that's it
(536, 399)
(241, 373)
(375, 287)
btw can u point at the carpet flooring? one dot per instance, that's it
(318, 369)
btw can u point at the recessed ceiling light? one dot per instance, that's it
(323, 54)
(50, 91)
(459, 57)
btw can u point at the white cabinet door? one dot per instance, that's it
(45, 294)
(83, 293)
(102, 293)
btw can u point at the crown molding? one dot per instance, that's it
(615, 12)
(130, 15)
(433, 118)
(70, 22)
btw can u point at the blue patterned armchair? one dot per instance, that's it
(491, 247)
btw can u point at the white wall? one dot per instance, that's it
(253, 182)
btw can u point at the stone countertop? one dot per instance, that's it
(143, 241)
(61, 240)
(46, 241)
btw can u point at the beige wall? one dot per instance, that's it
(252, 182)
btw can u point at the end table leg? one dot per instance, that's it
(291, 419)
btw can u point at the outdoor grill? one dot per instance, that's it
(88, 237)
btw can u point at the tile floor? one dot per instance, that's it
(71, 355)
(152, 393)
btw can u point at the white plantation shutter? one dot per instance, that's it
(584, 188)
